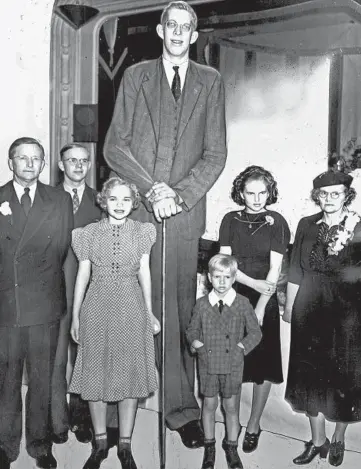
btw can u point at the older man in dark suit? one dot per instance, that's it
(35, 229)
(75, 164)
(169, 116)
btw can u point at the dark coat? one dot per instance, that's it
(88, 212)
(32, 253)
(221, 333)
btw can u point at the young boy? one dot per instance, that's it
(222, 330)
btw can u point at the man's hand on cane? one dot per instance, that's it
(165, 201)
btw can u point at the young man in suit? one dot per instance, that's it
(35, 231)
(169, 116)
(75, 164)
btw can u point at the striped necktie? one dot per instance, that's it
(76, 201)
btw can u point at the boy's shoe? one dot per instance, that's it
(232, 456)
(209, 457)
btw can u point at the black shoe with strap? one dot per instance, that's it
(232, 456)
(311, 451)
(126, 458)
(60, 438)
(336, 454)
(209, 457)
(250, 441)
(4, 460)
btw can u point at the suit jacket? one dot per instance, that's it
(88, 212)
(200, 148)
(32, 253)
(221, 333)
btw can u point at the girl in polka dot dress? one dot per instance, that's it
(113, 323)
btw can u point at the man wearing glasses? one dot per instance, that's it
(169, 116)
(75, 165)
(36, 221)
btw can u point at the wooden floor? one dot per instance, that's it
(274, 452)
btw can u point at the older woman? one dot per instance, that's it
(258, 238)
(323, 294)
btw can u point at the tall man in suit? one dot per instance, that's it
(35, 229)
(170, 117)
(75, 164)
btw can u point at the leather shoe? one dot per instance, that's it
(4, 460)
(126, 458)
(250, 441)
(311, 451)
(96, 458)
(337, 451)
(191, 434)
(82, 434)
(46, 461)
(60, 438)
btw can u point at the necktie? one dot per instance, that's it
(26, 201)
(220, 306)
(176, 83)
(76, 201)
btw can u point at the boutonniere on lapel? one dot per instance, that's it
(5, 210)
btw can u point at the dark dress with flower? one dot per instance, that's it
(252, 239)
(325, 355)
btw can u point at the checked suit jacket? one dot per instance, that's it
(221, 332)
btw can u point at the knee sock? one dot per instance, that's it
(101, 441)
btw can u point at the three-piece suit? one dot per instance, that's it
(32, 301)
(181, 143)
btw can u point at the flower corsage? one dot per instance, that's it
(5, 209)
(344, 234)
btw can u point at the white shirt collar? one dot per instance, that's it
(227, 299)
(19, 189)
(168, 67)
(80, 190)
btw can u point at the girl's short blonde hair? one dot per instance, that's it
(117, 181)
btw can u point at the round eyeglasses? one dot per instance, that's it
(333, 195)
(171, 24)
(75, 161)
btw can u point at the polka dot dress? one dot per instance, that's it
(115, 359)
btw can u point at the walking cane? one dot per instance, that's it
(162, 368)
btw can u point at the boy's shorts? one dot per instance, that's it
(225, 385)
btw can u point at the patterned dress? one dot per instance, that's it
(116, 353)
(324, 372)
(252, 241)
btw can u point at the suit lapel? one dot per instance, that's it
(42, 207)
(6, 195)
(192, 89)
(152, 94)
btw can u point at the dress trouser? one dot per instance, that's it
(181, 283)
(37, 346)
(64, 416)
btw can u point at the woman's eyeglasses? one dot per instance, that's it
(333, 195)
